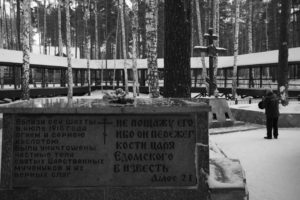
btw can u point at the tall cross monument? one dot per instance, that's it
(212, 52)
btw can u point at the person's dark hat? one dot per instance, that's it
(261, 105)
(269, 91)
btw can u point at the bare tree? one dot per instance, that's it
(121, 2)
(1, 26)
(151, 40)
(45, 27)
(96, 31)
(26, 50)
(236, 47)
(12, 32)
(60, 43)
(200, 37)
(87, 42)
(68, 37)
(249, 25)
(134, 26)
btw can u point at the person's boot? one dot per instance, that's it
(268, 138)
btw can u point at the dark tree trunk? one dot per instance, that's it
(177, 80)
(283, 70)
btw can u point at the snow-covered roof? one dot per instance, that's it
(269, 57)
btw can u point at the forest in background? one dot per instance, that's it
(262, 15)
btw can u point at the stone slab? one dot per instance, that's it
(104, 150)
(123, 193)
(139, 106)
(155, 149)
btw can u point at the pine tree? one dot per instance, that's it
(177, 76)
(283, 69)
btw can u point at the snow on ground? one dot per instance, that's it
(293, 107)
(272, 166)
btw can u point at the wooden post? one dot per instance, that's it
(82, 77)
(46, 77)
(76, 76)
(33, 77)
(237, 78)
(225, 77)
(15, 76)
(118, 77)
(195, 76)
(2, 76)
(43, 78)
(260, 76)
(123, 77)
(63, 77)
(143, 77)
(251, 81)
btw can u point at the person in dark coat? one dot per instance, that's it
(271, 103)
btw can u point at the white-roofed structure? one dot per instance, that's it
(270, 57)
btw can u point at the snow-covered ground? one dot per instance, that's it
(293, 107)
(272, 166)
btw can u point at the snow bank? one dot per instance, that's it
(224, 172)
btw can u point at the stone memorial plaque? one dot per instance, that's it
(56, 150)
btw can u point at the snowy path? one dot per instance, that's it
(272, 166)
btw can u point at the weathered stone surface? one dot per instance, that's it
(53, 194)
(104, 150)
(7, 151)
(139, 106)
(154, 194)
(155, 149)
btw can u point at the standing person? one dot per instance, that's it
(271, 103)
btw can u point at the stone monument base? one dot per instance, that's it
(220, 115)
(54, 149)
(123, 193)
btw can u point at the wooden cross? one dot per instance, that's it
(212, 52)
(104, 122)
